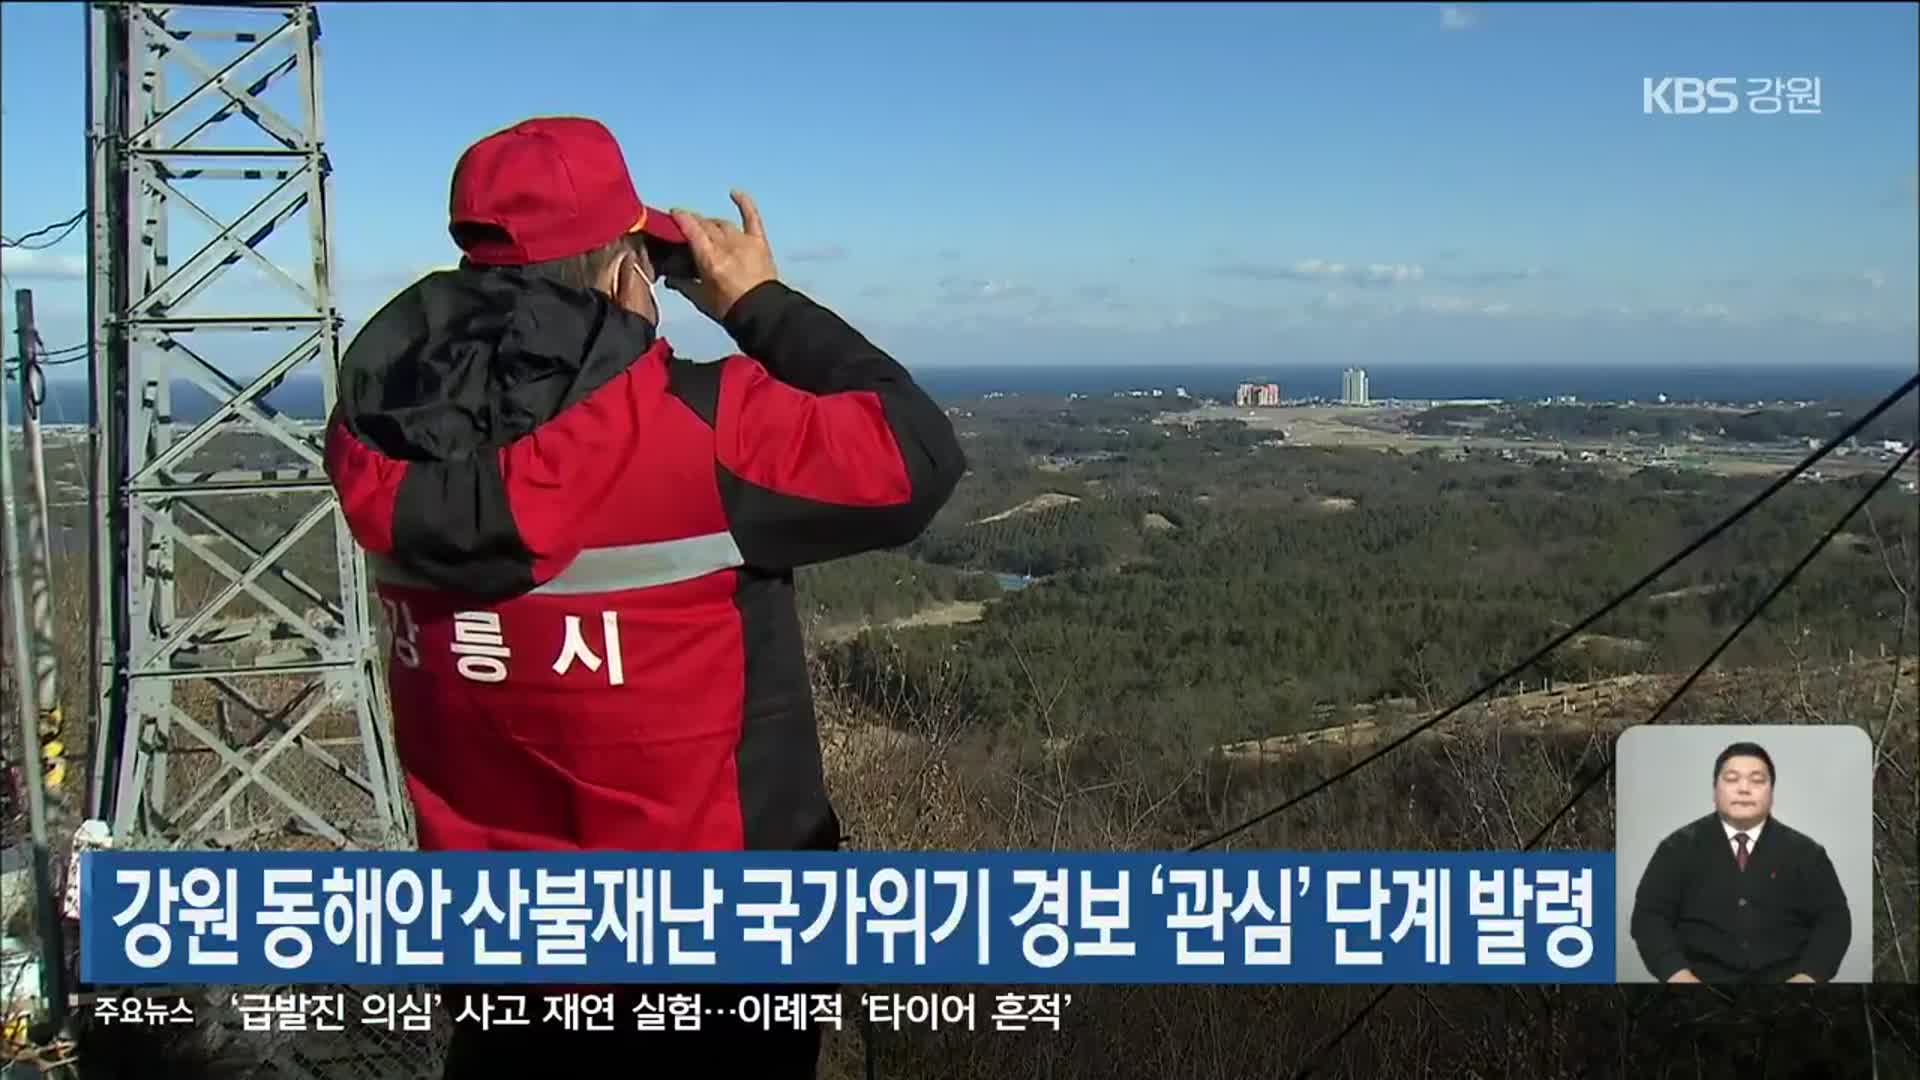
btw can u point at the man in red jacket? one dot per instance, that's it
(584, 544)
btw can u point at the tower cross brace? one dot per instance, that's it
(236, 693)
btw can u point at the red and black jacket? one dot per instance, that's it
(585, 545)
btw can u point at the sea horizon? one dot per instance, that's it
(66, 399)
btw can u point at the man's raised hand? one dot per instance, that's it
(733, 260)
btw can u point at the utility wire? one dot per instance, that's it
(33, 369)
(26, 242)
(40, 345)
(1705, 538)
(1605, 769)
(66, 354)
(74, 354)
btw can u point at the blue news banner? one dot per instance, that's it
(374, 918)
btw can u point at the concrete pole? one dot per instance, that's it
(53, 960)
(38, 557)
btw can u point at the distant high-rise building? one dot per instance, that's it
(1257, 395)
(1353, 386)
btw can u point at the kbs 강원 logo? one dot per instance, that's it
(1687, 95)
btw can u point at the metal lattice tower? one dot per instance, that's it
(237, 695)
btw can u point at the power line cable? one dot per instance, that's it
(1601, 773)
(13, 364)
(36, 389)
(52, 241)
(1628, 593)
(71, 354)
(63, 227)
(33, 371)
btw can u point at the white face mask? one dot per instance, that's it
(652, 296)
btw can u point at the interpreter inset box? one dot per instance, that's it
(1744, 854)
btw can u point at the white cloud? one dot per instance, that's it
(1386, 274)
(1327, 270)
(1458, 16)
(1657, 313)
(974, 290)
(1396, 273)
(1345, 306)
(1730, 317)
(1497, 276)
(1350, 296)
(1604, 311)
(1869, 280)
(1372, 274)
(26, 263)
(1446, 305)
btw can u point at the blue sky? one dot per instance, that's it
(1004, 183)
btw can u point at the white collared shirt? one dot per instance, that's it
(1753, 836)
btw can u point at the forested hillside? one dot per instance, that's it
(1201, 586)
(1820, 422)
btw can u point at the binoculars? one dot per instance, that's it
(669, 260)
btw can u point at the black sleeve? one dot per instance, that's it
(1826, 911)
(1656, 909)
(827, 447)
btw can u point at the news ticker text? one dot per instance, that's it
(587, 1012)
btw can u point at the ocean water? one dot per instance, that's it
(66, 399)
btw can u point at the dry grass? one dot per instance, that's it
(1049, 501)
(947, 613)
(1494, 782)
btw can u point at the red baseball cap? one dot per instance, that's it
(547, 188)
